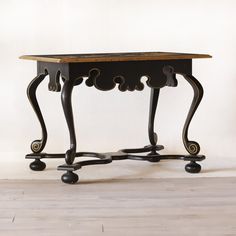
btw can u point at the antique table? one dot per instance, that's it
(104, 72)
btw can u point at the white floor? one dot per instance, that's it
(140, 207)
(125, 169)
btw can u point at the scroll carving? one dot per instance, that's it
(105, 76)
(96, 79)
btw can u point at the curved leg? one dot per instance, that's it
(67, 107)
(151, 133)
(192, 147)
(37, 145)
(152, 111)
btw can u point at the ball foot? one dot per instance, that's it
(153, 156)
(193, 167)
(37, 165)
(69, 177)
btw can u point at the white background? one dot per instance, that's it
(113, 120)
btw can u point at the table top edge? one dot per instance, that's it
(109, 57)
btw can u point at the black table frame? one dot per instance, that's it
(105, 76)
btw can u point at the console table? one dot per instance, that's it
(105, 72)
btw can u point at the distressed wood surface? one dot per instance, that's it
(107, 57)
(199, 206)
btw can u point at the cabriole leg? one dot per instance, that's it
(151, 133)
(37, 145)
(192, 147)
(66, 93)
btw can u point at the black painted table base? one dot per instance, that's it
(106, 158)
(105, 76)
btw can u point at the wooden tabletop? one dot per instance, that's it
(108, 57)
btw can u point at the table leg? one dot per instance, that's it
(37, 145)
(192, 147)
(151, 133)
(69, 176)
(152, 111)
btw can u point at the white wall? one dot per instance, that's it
(113, 120)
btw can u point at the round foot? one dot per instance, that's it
(153, 156)
(193, 167)
(37, 165)
(69, 177)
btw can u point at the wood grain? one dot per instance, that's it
(109, 57)
(192, 206)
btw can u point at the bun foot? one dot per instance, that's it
(69, 177)
(37, 165)
(193, 167)
(153, 156)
